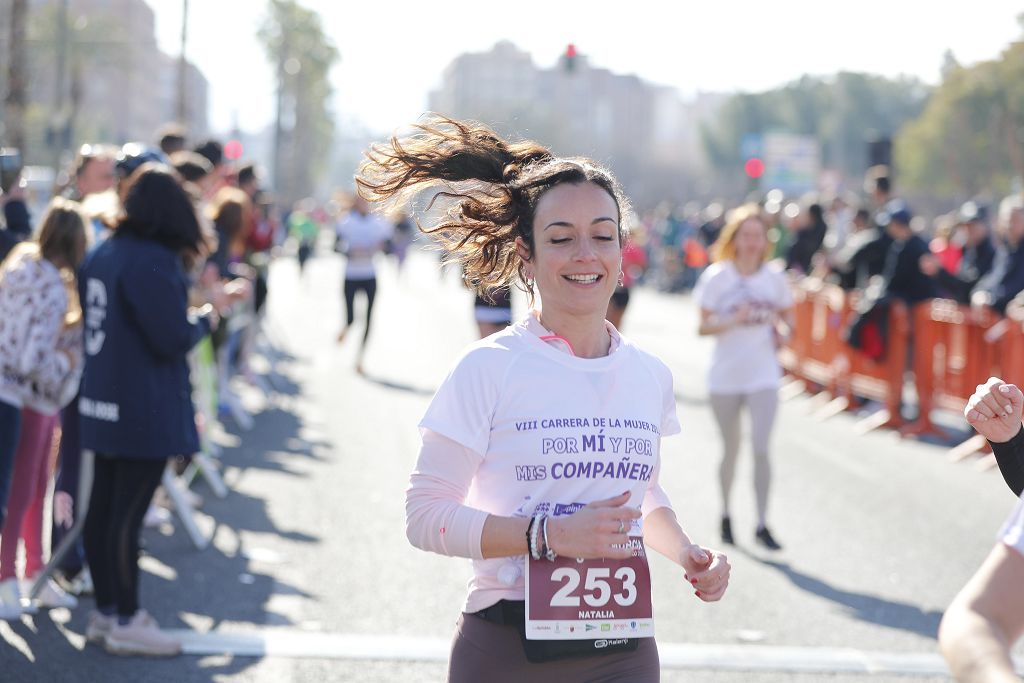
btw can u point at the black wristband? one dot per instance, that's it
(1010, 458)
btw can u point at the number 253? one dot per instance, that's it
(598, 590)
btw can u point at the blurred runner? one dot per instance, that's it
(361, 237)
(493, 310)
(746, 304)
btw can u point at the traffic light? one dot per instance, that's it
(754, 168)
(233, 150)
(569, 61)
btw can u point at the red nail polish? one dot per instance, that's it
(693, 581)
(697, 594)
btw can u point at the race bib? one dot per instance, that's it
(571, 599)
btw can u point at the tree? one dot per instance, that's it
(841, 111)
(295, 41)
(969, 139)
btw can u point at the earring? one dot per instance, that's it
(622, 277)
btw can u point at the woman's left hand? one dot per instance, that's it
(707, 571)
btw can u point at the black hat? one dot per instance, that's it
(972, 212)
(212, 150)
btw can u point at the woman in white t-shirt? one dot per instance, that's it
(361, 237)
(746, 304)
(540, 451)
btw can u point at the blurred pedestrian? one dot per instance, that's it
(136, 406)
(196, 174)
(492, 310)
(17, 220)
(976, 260)
(862, 257)
(746, 304)
(361, 236)
(903, 278)
(41, 361)
(402, 238)
(302, 228)
(634, 261)
(171, 137)
(484, 486)
(93, 172)
(1005, 280)
(808, 239)
(946, 244)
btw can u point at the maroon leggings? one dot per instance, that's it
(28, 494)
(484, 651)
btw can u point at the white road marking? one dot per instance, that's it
(294, 643)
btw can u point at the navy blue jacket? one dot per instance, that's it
(136, 397)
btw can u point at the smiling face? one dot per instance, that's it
(576, 251)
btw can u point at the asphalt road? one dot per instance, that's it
(309, 576)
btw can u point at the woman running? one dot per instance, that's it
(361, 236)
(540, 451)
(745, 304)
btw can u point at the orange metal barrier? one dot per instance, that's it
(955, 349)
(949, 347)
(879, 380)
(818, 355)
(1011, 356)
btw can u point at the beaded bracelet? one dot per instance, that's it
(549, 552)
(529, 530)
(534, 529)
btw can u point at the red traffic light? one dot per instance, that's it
(754, 167)
(233, 149)
(570, 51)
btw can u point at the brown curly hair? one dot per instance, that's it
(494, 187)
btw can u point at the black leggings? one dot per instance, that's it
(351, 287)
(121, 491)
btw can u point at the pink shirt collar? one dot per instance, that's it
(534, 326)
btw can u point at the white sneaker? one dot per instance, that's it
(99, 627)
(141, 636)
(52, 596)
(10, 599)
(156, 516)
(82, 584)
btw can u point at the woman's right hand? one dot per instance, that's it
(994, 410)
(591, 532)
